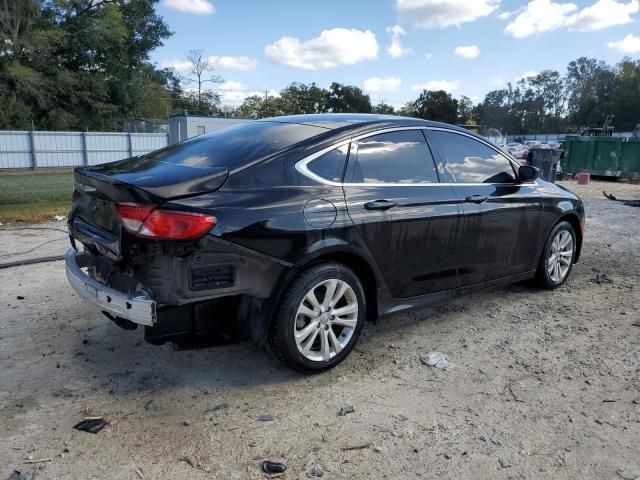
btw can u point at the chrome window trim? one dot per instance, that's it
(302, 165)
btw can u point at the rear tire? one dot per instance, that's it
(319, 319)
(557, 257)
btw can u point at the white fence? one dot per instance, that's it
(73, 149)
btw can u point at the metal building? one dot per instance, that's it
(182, 127)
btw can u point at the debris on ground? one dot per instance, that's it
(629, 203)
(189, 461)
(316, 472)
(435, 360)
(626, 475)
(19, 297)
(273, 467)
(356, 447)
(636, 323)
(217, 408)
(267, 417)
(91, 425)
(16, 475)
(602, 278)
(59, 218)
(346, 410)
(504, 463)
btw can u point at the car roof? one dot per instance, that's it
(345, 121)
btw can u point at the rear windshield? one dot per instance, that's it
(235, 146)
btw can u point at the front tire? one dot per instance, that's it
(558, 256)
(320, 318)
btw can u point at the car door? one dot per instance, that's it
(409, 221)
(502, 216)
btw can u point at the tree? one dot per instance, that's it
(408, 110)
(79, 64)
(625, 97)
(590, 84)
(347, 99)
(299, 98)
(383, 109)
(465, 110)
(438, 105)
(200, 69)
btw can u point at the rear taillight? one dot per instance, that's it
(148, 222)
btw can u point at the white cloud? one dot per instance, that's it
(603, 14)
(429, 56)
(471, 51)
(396, 50)
(176, 64)
(540, 16)
(377, 85)
(443, 13)
(629, 44)
(546, 15)
(506, 15)
(433, 85)
(196, 7)
(242, 63)
(232, 92)
(497, 82)
(338, 46)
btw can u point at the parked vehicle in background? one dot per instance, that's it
(597, 132)
(532, 144)
(518, 150)
(295, 230)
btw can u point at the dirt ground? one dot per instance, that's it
(542, 384)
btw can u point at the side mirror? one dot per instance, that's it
(527, 173)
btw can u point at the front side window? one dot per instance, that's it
(397, 157)
(330, 166)
(470, 161)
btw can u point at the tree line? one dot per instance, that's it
(85, 64)
(590, 94)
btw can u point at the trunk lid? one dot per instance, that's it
(93, 218)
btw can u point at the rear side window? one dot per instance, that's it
(330, 166)
(470, 161)
(396, 157)
(235, 146)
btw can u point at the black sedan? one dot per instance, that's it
(292, 231)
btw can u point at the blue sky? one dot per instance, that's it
(468, 47)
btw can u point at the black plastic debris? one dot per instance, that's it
(16, 475)
(92, 425)
(629, 203)
(273, 467)
(346, 410)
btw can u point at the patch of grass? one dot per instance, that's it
(34, 196)
(32, 212)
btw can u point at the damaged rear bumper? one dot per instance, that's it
(138, 308)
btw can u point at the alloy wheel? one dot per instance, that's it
(560, 256)
(326, 320)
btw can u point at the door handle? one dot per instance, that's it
(379, 205)
(476, 199)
